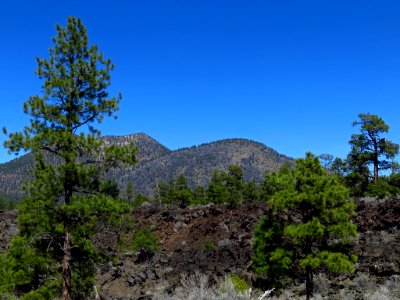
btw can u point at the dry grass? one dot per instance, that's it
(199, 287)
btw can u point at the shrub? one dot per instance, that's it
(7, 204)
(140, 199)
(238, 283)
(145, 239)
(209, 244)
(382, 188)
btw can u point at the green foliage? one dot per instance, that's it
(384, 187)
(132, 198)
(209, 244)
(368, 150)
(357, 181)
(251, 192)
(199, 195)
(227, 187)
(308, 226)
(129, 195)
(369, 147)
(145, 238)
(326, 160)
(181, 193)
(394, 180)
(273, 255)
(235, 184)
(271, 184)
(338, 167)
(176, 192)
(64, 200)
(6, 204)
(224, 187)
(140, 199)
(217, 191)
(7, 296)
(3, 204)
(20, 266)
(109, 188)
(238, 283)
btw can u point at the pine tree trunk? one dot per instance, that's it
(309, 283)
(376, 160)
(376, 174)
(66, 268)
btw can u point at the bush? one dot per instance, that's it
(382, 188)
(209, 244)
(238, 283)
(145, 239)
(7, 204)
(140, 199)
(394, 181)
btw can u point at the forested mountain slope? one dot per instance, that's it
(14, 173)
(156, 163)
(198, 163)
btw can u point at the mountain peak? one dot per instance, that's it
(157, 163)
(149, 148)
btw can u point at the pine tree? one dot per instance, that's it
(217, 192)
(369, 147)
(181, 193)
(251, 192)
(199, 196)
(65, 198)
(235, 184)
(308, 226)
(130, 193)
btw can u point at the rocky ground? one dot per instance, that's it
(215, 240)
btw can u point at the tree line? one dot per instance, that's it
(228, 187)
(370, 169)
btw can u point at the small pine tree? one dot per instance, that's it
(162, 193)
(235, 184)
(181, 193)
(130, 193)
(199, 195)
(53, 251)
(217, 191)
(251, 192)
(308, 226)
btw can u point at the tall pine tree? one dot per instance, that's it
(308, 226)
(370, 148)
(53, 252)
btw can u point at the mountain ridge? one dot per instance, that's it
(156, 163)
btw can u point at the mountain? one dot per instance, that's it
(148, 148)
(13, 174)
(156, 163)
(197, 163)
(17, 171)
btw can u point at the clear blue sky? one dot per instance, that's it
(290, 74)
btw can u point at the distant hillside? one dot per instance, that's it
(14, 173)
(149, 148)
(198, 163)
(156, 163)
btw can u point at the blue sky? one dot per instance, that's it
(291, 74)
